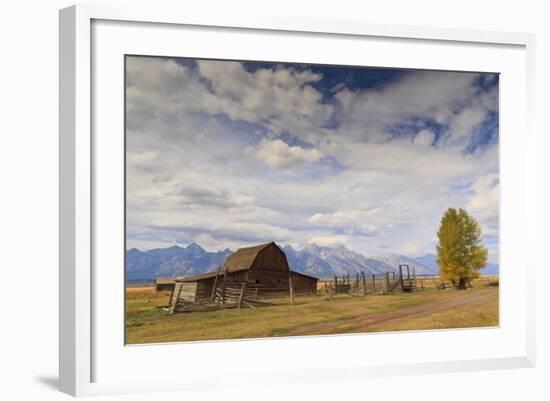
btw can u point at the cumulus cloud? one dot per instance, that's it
(223, 230)
(484, 203)
(328, 240)
(345, 217)
(206, 196)
(424, 137)
(230, 154)
(278, 154)
(410, 106)
(141, 159)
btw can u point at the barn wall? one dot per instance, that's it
(205, 286)
(237, 278)
(204, 289)
(270, 258)
(268, 279)
(164, 287)
(188, 292)
(303, 285)
(268, 283)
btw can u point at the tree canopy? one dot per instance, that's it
(460, 253)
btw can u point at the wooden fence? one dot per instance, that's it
(237, 295)
(405, 280)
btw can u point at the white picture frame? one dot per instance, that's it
(80, 344)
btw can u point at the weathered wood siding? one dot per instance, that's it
(270, 258)
(264, 270)
(268, 279)
(267, 283)
(236, 279)
(303, 285)
(205, 286)
(186, 291)
(204, 291)
(164, 287)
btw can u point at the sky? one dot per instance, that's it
(230, 154)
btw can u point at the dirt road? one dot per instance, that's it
(370, 322)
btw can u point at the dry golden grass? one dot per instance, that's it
(145, 292)
(428, 309)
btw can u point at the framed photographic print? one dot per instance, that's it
(260, 190)
(281, 197)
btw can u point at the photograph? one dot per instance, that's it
(273, 199)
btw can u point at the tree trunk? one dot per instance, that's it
(461, 284)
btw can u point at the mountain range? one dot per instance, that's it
(172, 262)
(315, 260)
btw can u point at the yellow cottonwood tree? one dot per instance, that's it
(460, 253)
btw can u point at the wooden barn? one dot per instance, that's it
(263, 270)
(165, 284)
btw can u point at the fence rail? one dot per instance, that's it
(238, 294)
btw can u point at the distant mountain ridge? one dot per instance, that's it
(315, 260)
(323, 261)
(172, 262)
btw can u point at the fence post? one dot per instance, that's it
(241, 295)
(215, 284)
(364, 283)
(223, 287)
(172, 293)
(373, 284)
(401, 276)
(387, 283)
(176, 300)
(291, 290)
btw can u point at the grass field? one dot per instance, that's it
(147, 322)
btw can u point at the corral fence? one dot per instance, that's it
(404, 280)
(237, 295)
(360, 284)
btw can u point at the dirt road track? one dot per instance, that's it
(460, 299)
(371, 321)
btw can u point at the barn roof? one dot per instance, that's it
(240, 260)
(243, 258)
(304, 275)
(197, 277)
(204, 276)
(161, 280)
